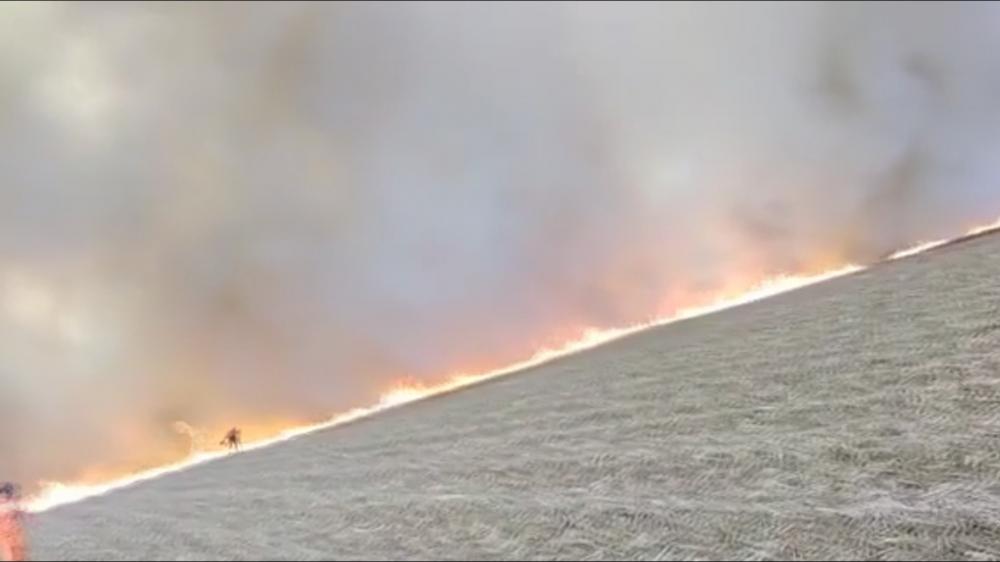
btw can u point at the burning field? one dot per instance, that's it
(289, 217)
(855, 418)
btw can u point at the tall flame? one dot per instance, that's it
(53, 494)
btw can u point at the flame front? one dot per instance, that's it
(53, 494)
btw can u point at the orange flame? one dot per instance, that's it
(924, 246)
(919, 248)
(53, 494)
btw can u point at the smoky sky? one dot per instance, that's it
(215, 213)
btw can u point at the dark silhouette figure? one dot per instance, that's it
(233, 439)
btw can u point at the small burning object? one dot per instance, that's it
(13, 546)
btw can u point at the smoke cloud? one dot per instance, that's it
(256, 213)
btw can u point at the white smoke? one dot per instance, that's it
(216, 212)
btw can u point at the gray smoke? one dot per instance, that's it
(212, 214)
